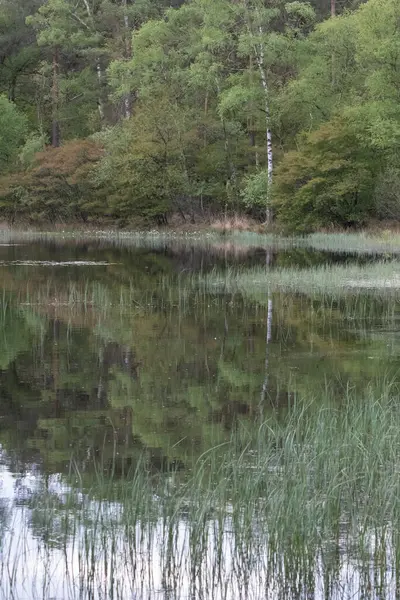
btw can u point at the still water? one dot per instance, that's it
(112, 358)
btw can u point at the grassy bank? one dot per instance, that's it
(364, 243)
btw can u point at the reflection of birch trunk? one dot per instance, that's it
(268, 338)
(264, 388)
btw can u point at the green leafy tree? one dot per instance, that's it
(13, 129)
(70, 33)
(350, 91)
(328, 182)
(19, 54)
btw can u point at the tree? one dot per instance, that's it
(57, 185)
(218, 92)
(217, 61)
(328, 182)
(348, 92)
(268, 42)
(68, 30)
(19, 55)
(13, 129)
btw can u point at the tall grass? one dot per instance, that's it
(372, 243)
(308, 499)
(325, 279)
(384, 242)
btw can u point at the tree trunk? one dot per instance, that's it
(333, 8)
(259, 55)
(268, 134)
(128, 55)
(55, 136)
(11, 92)
(251, 125)
(99, 70)
(128, 45)
(100, 102)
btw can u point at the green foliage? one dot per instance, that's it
(35, 143)
(255, 190)
(342, 170)
(145, 167)
(13, 129)
(182, 95)
(56, 186)
(387, 194)
(327, 182)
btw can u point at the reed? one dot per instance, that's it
(284, 508)
(382, 276)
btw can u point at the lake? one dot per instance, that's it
(165, 433)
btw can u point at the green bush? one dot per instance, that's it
(328, 182)
(387, 194)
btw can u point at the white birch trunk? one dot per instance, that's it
(270, 162)
(128, 53)
(87, 6)
(100, 80)
(258, 50)
(269, 319)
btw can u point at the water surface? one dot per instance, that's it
(112, 358)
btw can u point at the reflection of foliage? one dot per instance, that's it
(17, 334)
(169, 373)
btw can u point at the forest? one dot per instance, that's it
(132, 111)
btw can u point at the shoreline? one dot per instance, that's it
(385, 239)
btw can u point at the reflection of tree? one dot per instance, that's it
(5, 516)
(170, 378)
(268, 338)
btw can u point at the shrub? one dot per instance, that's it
(329, 181)
(58, 185)
(387, 194)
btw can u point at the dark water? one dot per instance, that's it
(169, 371)
(110, 356)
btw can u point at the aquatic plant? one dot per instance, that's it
(306, 499)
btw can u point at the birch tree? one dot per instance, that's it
(128, 53)
(257, 19)
(268, 39)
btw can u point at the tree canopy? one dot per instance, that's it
(135, 110)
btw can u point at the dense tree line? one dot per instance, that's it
(137, 109)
